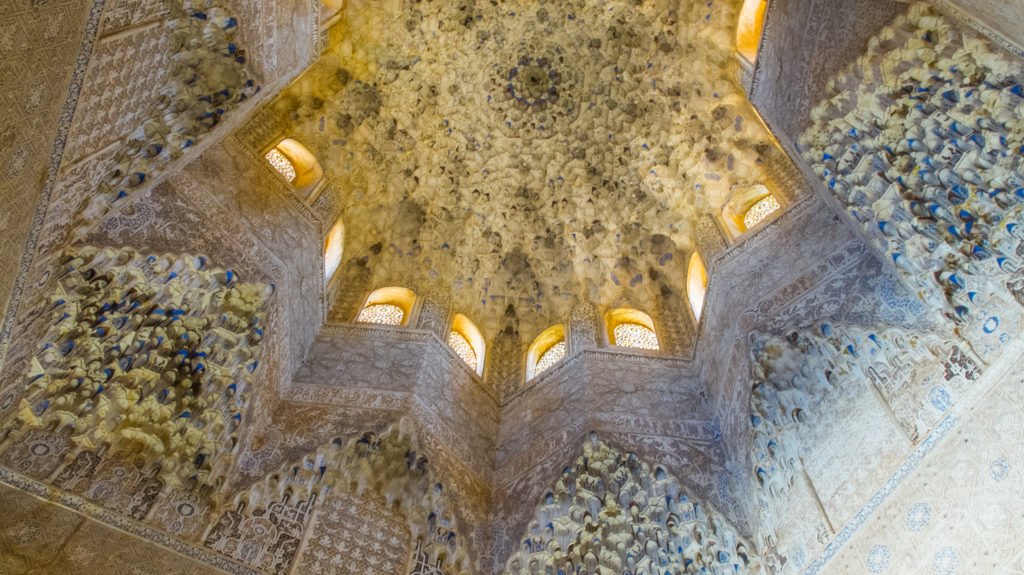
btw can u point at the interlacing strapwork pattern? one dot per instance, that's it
(282, 164)
(636, 336)
(462, 348)
(384, 314)
(760, 211)
(609, 512)
(553, 355)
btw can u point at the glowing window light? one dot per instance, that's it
(384, 314)
(636, 336)
(761, 210)
(334, 247)
(553, 355)
(282, 164)
(462, 348)
(696, 284)
(750, 28)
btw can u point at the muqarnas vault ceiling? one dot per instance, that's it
(525, 156)
(525, 164)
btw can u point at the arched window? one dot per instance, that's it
(696, 284)
(468, 343)
(631, 328)
(334, 247)
(760, 211)
(748, 208)
(388, 306)
(297, 165)
(751, 25)
(548, 349)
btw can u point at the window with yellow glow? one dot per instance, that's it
(387, 306)
(553, 355)
(382, 313)
(468, 343)
(750, 28)
(461, 346)
(334, 247)
(329, 9)
(748, 208)
(546, 351)
(297, 165)
(631, 328)
(282, 164)
(760, 211)
(636, 336)
(696, 284)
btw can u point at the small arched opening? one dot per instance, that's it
(548, 349)
(468, 343)
(696, 284)
(334, 248)
(631, 328)
(750, 29)
(297, 166)
(330, 11)
(388, 306)
(747, 209)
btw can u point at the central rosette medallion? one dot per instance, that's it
(534, 82)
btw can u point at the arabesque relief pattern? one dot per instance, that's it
(207, 78)
(44, 50)
(398, 513)
(264, 524)
(354, 535)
